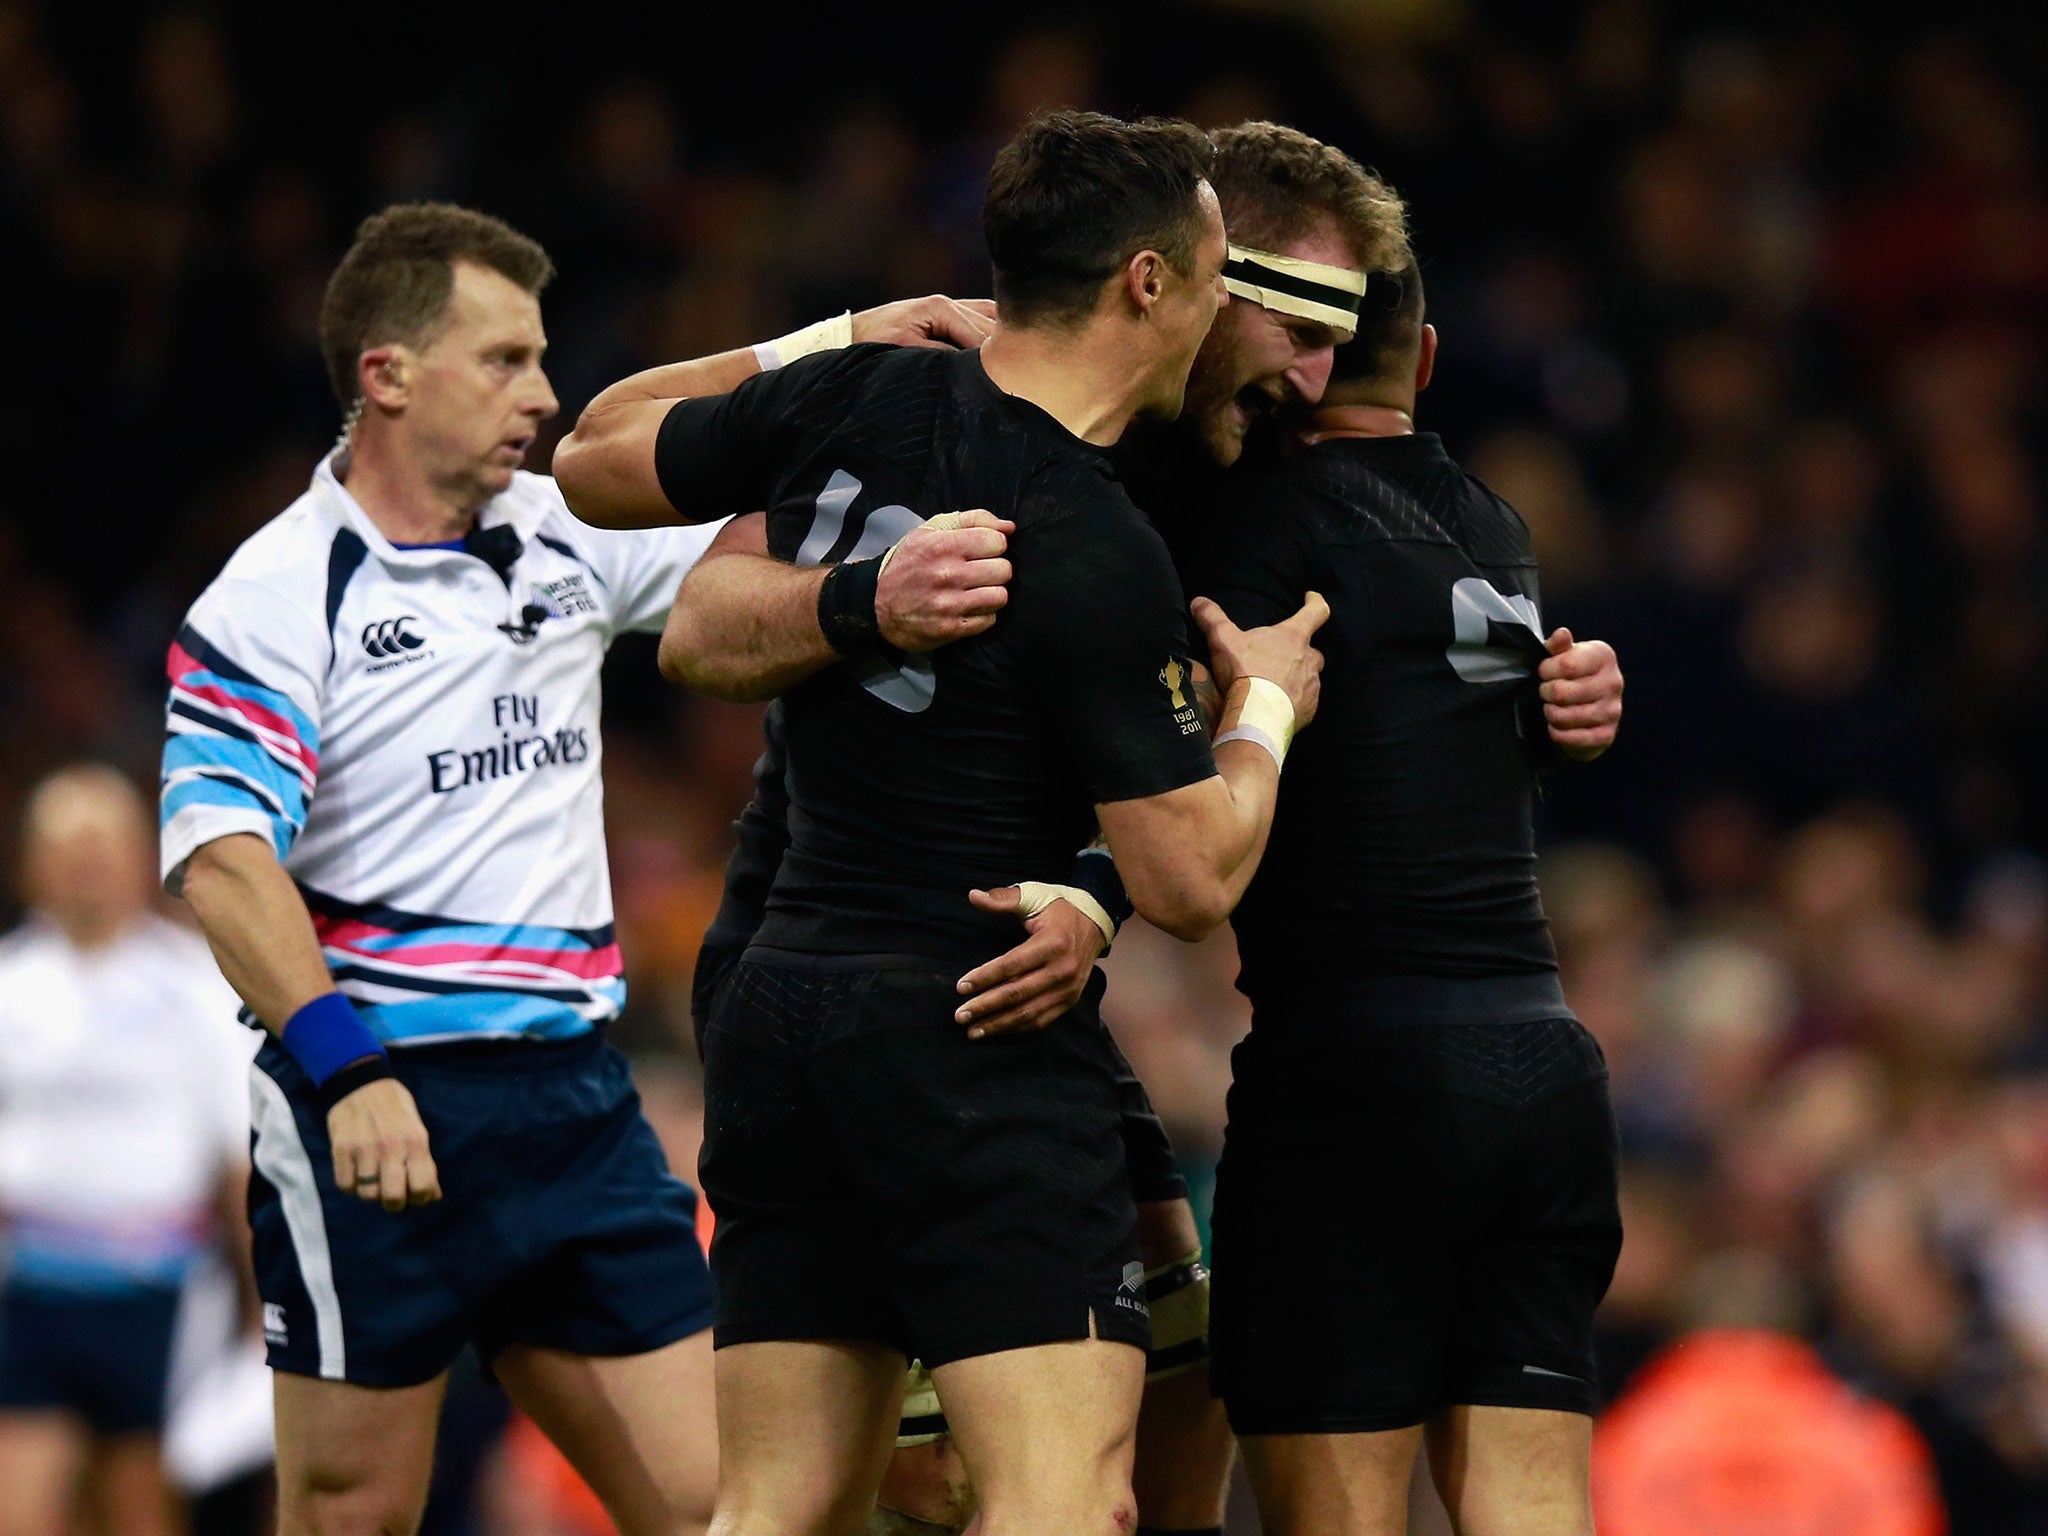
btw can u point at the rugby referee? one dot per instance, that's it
(381, 797)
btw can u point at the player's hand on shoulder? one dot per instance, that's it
(944, 580)
(933, 321)
(380, 1146)
(1281, 653)
(1029, 986)
(1581, 686)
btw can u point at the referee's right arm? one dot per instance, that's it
(261, 935)
(240, 767)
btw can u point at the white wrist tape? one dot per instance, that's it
(1265, 717)
(936, 520)
(1034, 896)
(825, 336)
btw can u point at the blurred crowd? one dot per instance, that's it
(1745, 308)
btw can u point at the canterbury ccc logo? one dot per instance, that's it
(392, 637)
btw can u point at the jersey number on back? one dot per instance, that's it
(911, 686)
(1476, 606)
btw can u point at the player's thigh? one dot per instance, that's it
(1181, 1476)
(1513, 1471)
(41, 1453)
(1048, 1432)
(1333, 1485)
(128, 1484)
(640, 1429)
(353, 1459)
(804, 1431)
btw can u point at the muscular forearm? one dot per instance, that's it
(1253, 780)
(257, 926)
(718, 374)
(745, 627)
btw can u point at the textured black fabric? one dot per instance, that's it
(914, 779)
(1403, 842)
(878, 1176)
(1409, 1217)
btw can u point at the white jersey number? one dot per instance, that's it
(911, 686)
(1476, 605)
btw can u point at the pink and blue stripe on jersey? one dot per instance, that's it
(235, 742)
(417, 978)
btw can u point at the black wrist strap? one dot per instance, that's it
(846, 607)
(1095, 872)
(351, 1077)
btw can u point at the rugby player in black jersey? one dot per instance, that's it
(1416, 1209)
(1184, 1454)
(886, 1186)
(749, 626)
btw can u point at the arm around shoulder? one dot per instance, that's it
(744, 625)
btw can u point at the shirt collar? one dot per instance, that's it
(525, 514)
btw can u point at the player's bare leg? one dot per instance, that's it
(353, 1461)
(1181, 1476)
(804, 1431)
(639, 1429)
(1185, 1449)
(1333, 1485)
(1514, 1471)
(1048, 1434)
(41, 1453)
(129, 1487)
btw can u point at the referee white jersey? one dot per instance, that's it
(124, 1100)
(415, 729)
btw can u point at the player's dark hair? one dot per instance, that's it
(1389, 328)
(395, 282)
(1075, 195)
(1276, 184)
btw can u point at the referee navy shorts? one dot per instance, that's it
(559, 1225)
(102, 1355)
(878, 1176)
(1416, 1207)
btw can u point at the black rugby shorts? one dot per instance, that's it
(876, 1175)
(1409, 1216)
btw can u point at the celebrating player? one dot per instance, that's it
(1408, 1028)
(747, 624)
(967, 1200)
(381, 797)
(1184, 1451)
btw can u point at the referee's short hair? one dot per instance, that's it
(1075, 195)
(394, 284)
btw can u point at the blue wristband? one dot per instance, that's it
(326, 1035)
(1095, 872)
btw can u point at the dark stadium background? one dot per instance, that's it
(1745, 306)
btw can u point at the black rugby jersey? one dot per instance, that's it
(760, 838)
(1402, 843)
(914, 778)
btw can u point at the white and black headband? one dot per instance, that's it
(1311, 290)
